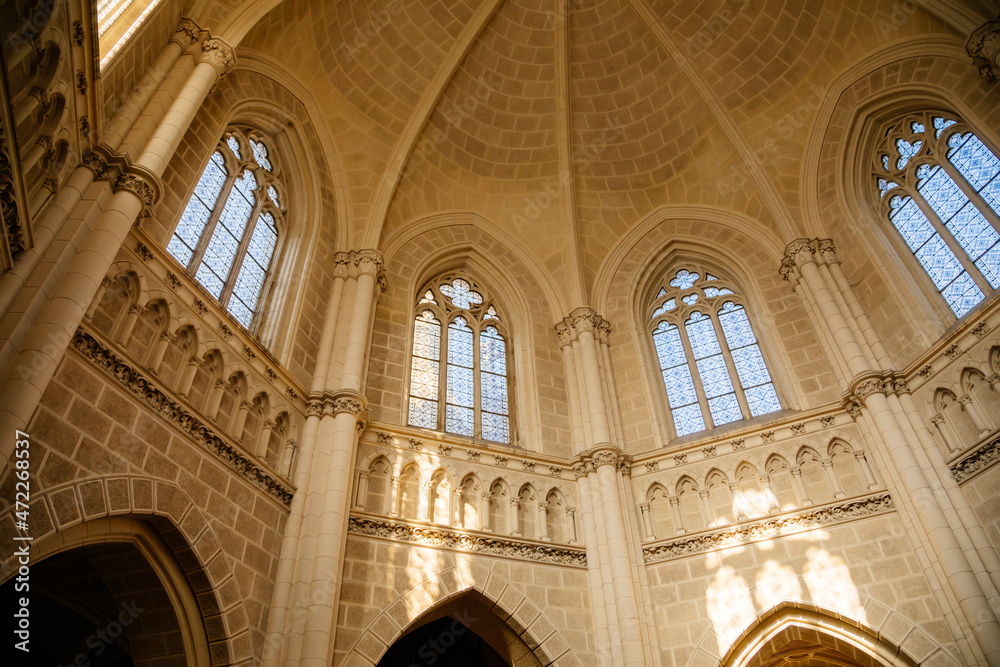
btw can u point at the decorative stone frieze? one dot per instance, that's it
(983, 46)
(187, 33)
(755, 531)
(981, 459)
(117, 368)
(464, 541)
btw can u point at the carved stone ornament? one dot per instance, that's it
(383, 438)
(144, 253)
(869, 386)
(472, 455)
(984, 47)
(270, 373)
(186, 33)
(445, 450)
(81, 82)
(767, 436)
(500, 461)
(225, 330)
(827, 421)
(580, 470)
(416, 445)
(97, 164)
(138, 186)
(709, 451)
(979, 460)
(953, 351)
(564, 333)
(768, 528)
(652, 466)
(738, 444)
(798, 429)
(292, 394)
(219, 55)
(926, 371)
(346, 404)
(464, 541)
(314, 409)
(78, 33)
(200, 306)
(680, 459)
(528, 466)
(118, 369)
(980, 330)
(248, 354)
(555, 471)
(368, 262)
(605, 458)
(172, 280)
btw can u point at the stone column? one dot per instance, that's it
(30, 371)
(455, 507)
(675, 513)
(214, 398)
(571, 525)
(263, 439)
(832, 479)
(362, 490)
(135, 311)
(484, 513)
(512, 517)
(868, 389)
(239, 421)
(187, 377)
(543, 521)
(772, 497)
(607, 652)
(606, 465)
(393, 500)
(799, 487)
(980, 420)
(160, 349)
(866, 470)
(647, 522)
(706, 508)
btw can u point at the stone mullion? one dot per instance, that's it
(699, 388)
(263, 439)
(484, 512)
(647, 521)
(979, 420)
(187, 378)
(513, 520)
(229, 285)
(799, 487)
(675, 512)
(477, 406)
(158, 351)
(135, 311)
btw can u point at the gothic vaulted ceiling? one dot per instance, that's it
(565, 122)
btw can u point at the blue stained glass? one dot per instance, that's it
(750, 366)
(989, 264)
(962, 295)
(885, 162)
(667, 306)
(461, 293)
(680, 386)
(272, 192)
(977, 163)
(709, 276)
(460, 386)
(260, 154)
(422, 413)
(198, 210)
(884, 186)
(424, 378)
(684, 279)
(209, 280)
(725, 409)
(496, 428)
(735, 326)
(662, 292)
(460, 343)
(906, 151)
(492, 352)
(942, 193)
(911, 222)
(428, 297)
(690, 299)
(939, 261)
(701, 334)
(234, 146)
(762, 400)
(714, 376)
(973, 232)
(493, 393)
(179, 251)
(491, 314)
(716, 291)
(459, 420)
(917, 128)
(940, 125)
(669, 348)
(212, 180)
(240, 311)
(688, 419)
(427, 336)
(991, 193)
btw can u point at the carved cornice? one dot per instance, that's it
(124, 175)
(984, 47)
(979, 460)
(219, 55)
(756, 531)
(334, 403)
(137, 186)
(199, 432)
(462, 541)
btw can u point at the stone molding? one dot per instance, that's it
(972, 464)
(984, 48)
(464, 541)
(187, 33)
(103, 358)
(756, 531)
(123, 175)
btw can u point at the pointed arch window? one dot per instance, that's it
(939, 186)
(710, 360)
(459, 380)
(228, 233)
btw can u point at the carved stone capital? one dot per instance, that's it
(581, 470)
(984, 47)
(564, 333)
(314, 409)
(138, 186)
(345, 404)
(186, 33)
(605, 458)
(219, 55)
(341, 265)
(584, 320)
(826, 249)
(368, 263)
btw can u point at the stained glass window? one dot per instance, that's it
(710, 360)
(229, 231)
(474, 389)
(945, 204)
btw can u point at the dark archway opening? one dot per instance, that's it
(445, 642)
(96, 606)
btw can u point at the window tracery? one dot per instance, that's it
(710, 360)
(471, 354)
(939, 186)
(229, 231)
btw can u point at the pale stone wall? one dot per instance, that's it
(387, 585)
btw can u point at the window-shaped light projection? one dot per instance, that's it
(710, 360)
(474, 390)
(939, 186)
(230, 229)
